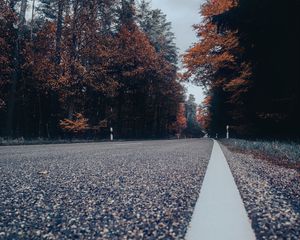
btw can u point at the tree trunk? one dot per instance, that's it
(40, 115)
(22, 15)
(59, 32)
(32, 19)
(16, 71)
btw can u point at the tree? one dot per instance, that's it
(271, 46)
(241, 61)
(88, 57)
(19, 26)
(216, 62)
(7, 41)
(158, 30)
(181, 121)
(203, 114)
(193, 128)
(79, 124)
(166, 92)
(135, 63)
(108, 14)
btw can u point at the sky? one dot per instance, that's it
(183, 14)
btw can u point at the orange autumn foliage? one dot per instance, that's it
(203, 115)
(214, 50)
(91, 57)
(216, 62)
(181, 121)
(78, 124)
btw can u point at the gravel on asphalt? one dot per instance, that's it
(130, 190)
(271, 194)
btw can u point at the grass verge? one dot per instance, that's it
(285, 154)
(40, 141)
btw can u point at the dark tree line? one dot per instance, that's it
(193, 127)
(84, 66)
(248, 60)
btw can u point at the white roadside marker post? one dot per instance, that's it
(111, 134)
(227, 133)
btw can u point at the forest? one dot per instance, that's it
(247, 59)
(75, 67)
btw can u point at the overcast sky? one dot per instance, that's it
(183, 14)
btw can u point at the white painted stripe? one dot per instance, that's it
(125, 144)
(219, 213)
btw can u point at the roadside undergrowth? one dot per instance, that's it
(286, 154)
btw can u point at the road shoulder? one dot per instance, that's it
(271, 194)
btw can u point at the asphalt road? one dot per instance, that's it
(121, 190)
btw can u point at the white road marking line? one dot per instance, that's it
(219, 213)
(125, 144)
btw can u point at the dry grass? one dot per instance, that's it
(39, 141)
(281, 153)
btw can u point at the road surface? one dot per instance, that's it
(121, 190)
(143, 190)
